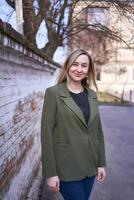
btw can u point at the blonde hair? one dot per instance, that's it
(89, 80)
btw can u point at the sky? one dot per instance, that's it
(7, 14)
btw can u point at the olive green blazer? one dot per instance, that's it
(70, 148)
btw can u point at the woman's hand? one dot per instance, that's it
(101, 174)
(53, 183)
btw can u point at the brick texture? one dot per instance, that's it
(22, 85)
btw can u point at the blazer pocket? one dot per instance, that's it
(62, 154)
(95, 152)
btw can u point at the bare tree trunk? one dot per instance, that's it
(50, 49)
(32, 21)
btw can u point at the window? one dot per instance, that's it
(98, 15)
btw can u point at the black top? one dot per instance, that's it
(81, 100)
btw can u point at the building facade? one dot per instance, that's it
(113, 56)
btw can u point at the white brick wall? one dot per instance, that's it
(22, 86)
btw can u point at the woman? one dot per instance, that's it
(73, 150)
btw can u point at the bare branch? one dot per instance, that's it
(11, 3)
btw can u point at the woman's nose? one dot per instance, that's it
(79, 68)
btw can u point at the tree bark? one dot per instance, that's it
(31, 24)
(50, 48)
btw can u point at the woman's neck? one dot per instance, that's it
(75, 87)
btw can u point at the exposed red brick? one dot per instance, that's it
(33, 104)
(14, 164)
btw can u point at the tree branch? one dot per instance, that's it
(11, 3)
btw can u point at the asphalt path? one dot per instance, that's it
(118, 127)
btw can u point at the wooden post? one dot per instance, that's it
(19, 15)
(130, 96)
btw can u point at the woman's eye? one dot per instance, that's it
(84, 66)
(75, 64)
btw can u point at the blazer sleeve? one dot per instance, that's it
(102, 157)
(47, 127)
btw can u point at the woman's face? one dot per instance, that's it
(79, 69)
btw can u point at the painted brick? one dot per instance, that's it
(1, 140)
(22, 85)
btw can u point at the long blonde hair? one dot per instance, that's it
(89, 80)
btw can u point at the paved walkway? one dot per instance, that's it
(118, 126)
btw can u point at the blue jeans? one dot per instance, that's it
(77, 190)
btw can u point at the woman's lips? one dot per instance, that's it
(78, 75)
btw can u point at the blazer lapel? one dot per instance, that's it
(68, 100)
(92, 99)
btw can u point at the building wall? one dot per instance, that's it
(116, 83)
(24, 76)
(114, 60)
